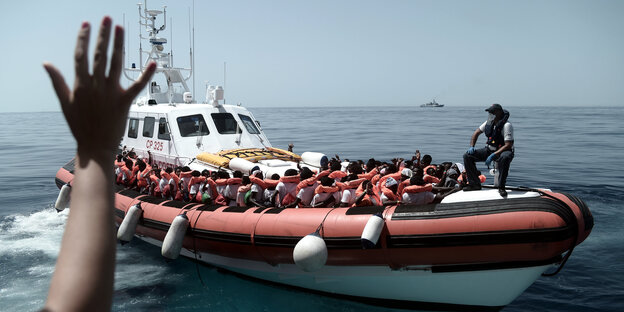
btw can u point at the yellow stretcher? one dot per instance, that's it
(222, 158)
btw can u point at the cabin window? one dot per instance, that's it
(193, 125)
(133, 128)
(249, 124)
(225, 123)
(163, 130)
(148, 127)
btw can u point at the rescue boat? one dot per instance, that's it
(472, 250)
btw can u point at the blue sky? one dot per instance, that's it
(347, 53)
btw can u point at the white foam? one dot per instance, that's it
(40, 231)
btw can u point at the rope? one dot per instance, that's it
(320, 227)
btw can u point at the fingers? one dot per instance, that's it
(80, 55)
(99, 62)
(61, 88)
(138, 85)
(115, 65)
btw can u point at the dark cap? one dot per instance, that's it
(494, 108)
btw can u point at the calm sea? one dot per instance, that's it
(576, 150)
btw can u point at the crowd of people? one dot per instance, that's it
(337, 184)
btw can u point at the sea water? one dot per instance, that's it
(569, 149)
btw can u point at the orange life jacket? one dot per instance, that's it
(326, 189)
(418, 188)
(290, 179)
(337, 174)
(368, 198)
(431, 179)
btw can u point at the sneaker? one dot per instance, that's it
(502, 192)
(470, 187)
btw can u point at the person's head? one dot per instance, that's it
(431, 171)
(129, 163)
(327, 181)
(246, 180)
(169, 170)
(416, 180)
(409, 164)
(440, 171)
(392, 184)
(391, 169)
(306, 173)
(132, 154)
(406, 173)
(223, 174)
(178, 169)
(139, 161)
(370, 164)
(355, 167)
(335, 166)
(119, 157)
(452, 173)
(290, 172)
(205, 173)
(426, 160)
(238, 174)
(275, 176)
(352, 177)
(418, 172)
(186, 169)
(195, 173)
(258, 174)
(157, 173)
(496, 111)
(214, 175)
(142, 166)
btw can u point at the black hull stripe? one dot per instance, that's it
(454, 210)
(59, 182)
(235, 238)
(120, 213)
(368, 210)
(70, 166)
(482, 238)
(587, 216)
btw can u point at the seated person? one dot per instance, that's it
(326, 194)
(286, 188)
(367, 195)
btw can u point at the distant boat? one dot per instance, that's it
(432, 104)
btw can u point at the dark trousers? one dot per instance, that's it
(504, 160)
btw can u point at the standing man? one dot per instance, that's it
(499, 147)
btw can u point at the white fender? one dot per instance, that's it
(63, 198)
(372, 231)
(310, 253)
(129, 223)
(172, 244)
(314, 159)
(242, 165)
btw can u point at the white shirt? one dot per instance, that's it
(321, 197)
(231, 191)
(421, 198)
(286, 188)
(259, 192)
(306, 194)
(507, 130)
(348, 196)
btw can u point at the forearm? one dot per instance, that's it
(474, 137)
(84, 273)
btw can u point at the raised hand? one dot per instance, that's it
(97, 108)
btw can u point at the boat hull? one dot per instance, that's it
(471, 253)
